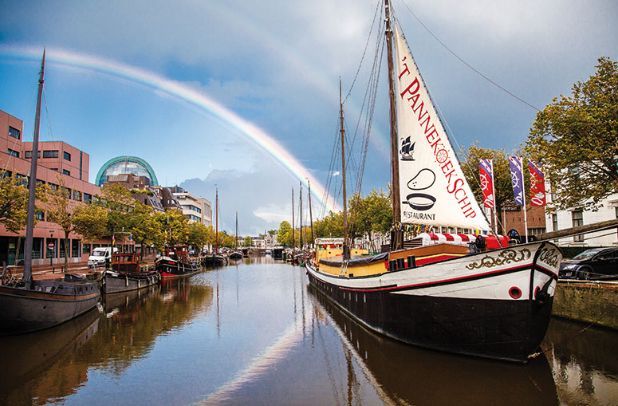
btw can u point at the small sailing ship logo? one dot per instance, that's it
(407, 150)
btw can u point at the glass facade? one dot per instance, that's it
(121, 168)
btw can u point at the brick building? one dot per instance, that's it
(59, 163)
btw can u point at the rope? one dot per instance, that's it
(460, 59)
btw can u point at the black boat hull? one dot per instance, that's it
(24, 311)
(498, 329)
(126, 283)
(495, 305)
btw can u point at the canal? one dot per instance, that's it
(256, 333)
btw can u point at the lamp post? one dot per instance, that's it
(50, 247)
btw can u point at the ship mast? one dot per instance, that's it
(217, 220)
(310, 214)
(27, 277)
(346, 250)
(293, 229)
(236, 240)
(396, 231)
(300, 214)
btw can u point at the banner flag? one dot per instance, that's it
(537, 185)
(517, 179)
(486, 172)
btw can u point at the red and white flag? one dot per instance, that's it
(486, 172)
(537, 185)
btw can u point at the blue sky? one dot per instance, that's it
(277, 65)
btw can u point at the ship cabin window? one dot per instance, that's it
(14, 132)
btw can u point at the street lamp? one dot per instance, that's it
(50, 247)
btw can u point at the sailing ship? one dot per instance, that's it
(486, 299)
(30, 305)
(215, 259)
(236, 254)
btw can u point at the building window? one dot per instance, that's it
(75, 248)
(87, 198)
(53, 186)
(77, 195)
(67, 156)
(14, 132)
(50, 154)
(578, 220)
(554, 222)
(65, 172)
(39, 215)
(86, 249)
(12, 152)
(28, 154)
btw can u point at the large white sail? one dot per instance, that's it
(433, 189)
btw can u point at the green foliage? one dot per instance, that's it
(502, 174)
(284, 234)
(90, 221)
(329, 226)
(248, 241)
(175, 226)
(13, 203)
(198, 235)
(226, 240)
(118, 201)
(575, 138)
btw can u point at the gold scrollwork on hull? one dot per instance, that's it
(550, 256)
(505, 257)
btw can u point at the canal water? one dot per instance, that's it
(256, 333)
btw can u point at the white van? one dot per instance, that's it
(100, 256)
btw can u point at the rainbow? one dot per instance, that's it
(185, 93)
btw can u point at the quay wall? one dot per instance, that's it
(588, 302)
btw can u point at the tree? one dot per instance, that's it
(284, 234)
(90, 221)
(197, 235)
(248, 241)
(61, 210)
(575, 138)
(13, 203)
(502, 174)
(145, 228)
(174, 225)
(118, 200)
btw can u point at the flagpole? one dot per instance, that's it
(493, 187)
(523, 193)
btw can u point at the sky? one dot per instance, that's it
(272, 68)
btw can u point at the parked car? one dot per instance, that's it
(100, 256)
(595, 263)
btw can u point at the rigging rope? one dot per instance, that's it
(481, 74)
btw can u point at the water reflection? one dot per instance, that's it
(255, 332)
(28, 360)
(416, 376)
(584, 362)
(55, 363)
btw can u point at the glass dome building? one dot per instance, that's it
(123, 165)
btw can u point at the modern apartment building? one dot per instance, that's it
(59, 164)
(196, 209)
